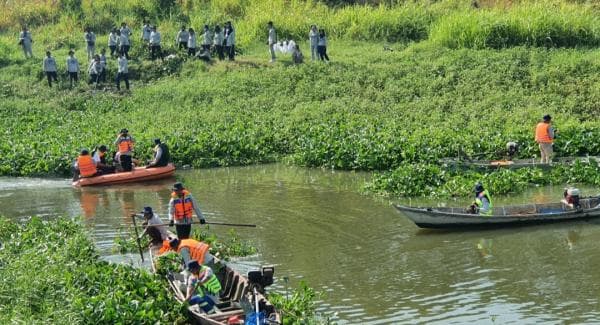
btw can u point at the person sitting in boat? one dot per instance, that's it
(181, 207)
(189, 249)
(483, 201)
(161, 155)
(99, 157)
(124, 143)
(202, 283)
(84, 166)
(153, 226)
(571, 198)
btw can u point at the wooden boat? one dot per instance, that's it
(503, 216)
(515, 163)
(138, 174)
(239, 294)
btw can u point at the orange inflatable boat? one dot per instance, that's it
(138, 174)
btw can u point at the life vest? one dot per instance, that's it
(125, 144)
(197, 249)
(212, 285)
(183, 206)
(542, 133)
(86, 166)
(165, 247)
(479, 202)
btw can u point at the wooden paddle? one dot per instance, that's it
(137, 237)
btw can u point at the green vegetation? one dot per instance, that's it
(300, 307)
(51, 273)
(225, 249)
(461, 79)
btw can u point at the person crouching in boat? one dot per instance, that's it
(161, 155)
(483, 201)
(153, 226)
(181, 207)
(201, 285)
(84, 166)
(571, 198)
(99, 157)
(189, 249)
(124, 143)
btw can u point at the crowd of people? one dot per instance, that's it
(96, 163)
(219, 42)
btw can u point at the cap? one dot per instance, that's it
(193, 264)
(478, 187)
(177, 186)
(174, 242)
(147, 210)
(547, 117)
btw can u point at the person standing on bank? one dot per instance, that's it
(182, 38)
(90, 40)
(122, 72)
(155, 50)
(207, 39)
(113, 41)
(544, 136)
(218, 42)
(181, 208)
(272, 40)
(49, 66)
(72, 68)
(161, 155)
(94, 70)
(322, 46)
(124, 43)
(146, 30)
(103, 64)
(25, 41)
(191, 43)
(229, 41)
(313, 38)
(125, 144)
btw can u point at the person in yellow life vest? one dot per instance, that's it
(84, 166)
(124, 143)
(483, 201)
(181, 208)
(201, 285)
(544, 136)
(191, 249)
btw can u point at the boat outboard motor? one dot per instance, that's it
(512, 148)
(262, 279)
(571, 195)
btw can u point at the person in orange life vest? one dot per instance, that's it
(84, 166)
(153, 226)
(191, 249)
(544, 136)
(99, 157)
(181, 207)
(124, 143)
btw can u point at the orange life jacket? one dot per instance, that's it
(125, 144)
(165, 247)
(86, 166)
(542, 134)
(183, 206)
(197, 249)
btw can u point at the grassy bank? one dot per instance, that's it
(369, 109)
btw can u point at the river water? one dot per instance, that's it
(372, 263)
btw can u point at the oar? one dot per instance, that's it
(137, 237)
(211, 223)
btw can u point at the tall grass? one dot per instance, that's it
(538, 24)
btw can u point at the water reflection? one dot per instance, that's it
(375, 266)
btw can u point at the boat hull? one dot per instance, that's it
(440, 219)
(139, 174)
(516, 163)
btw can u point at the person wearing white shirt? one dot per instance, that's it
(182, 38)
(218, 42)
(154, 226)
(230, 41)
(113, 41)
(94, 70)
(207, 39)
(103, 64)
(72, 68)
(146, 30)
(49, 66)
(155, 49)
(313, 37)
(191, 43)
(25, 41)
(272, 40)
(123, 72)
(90, 40)
(124, 39)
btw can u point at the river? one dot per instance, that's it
(372, 263)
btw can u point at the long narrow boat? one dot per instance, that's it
(138, 174)
(515, 163)
(514, 215)
(237, 296)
